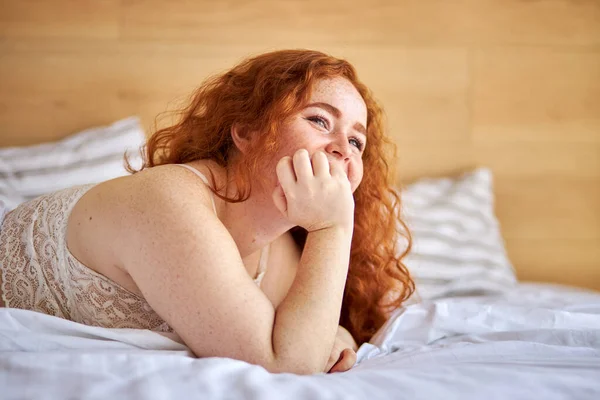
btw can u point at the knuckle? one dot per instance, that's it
(283, 161)
(300, 153)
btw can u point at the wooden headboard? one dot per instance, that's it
(513, 85)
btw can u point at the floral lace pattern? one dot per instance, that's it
(40, 274)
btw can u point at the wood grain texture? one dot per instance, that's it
(536, 94)
(407, 22)
(513, 85)
(59, 18)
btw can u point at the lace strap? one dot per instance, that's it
(204, 179)
(262, 264)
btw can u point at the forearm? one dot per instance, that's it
(307, 320)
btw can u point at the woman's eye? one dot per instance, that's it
(356, 143)
(319, 121)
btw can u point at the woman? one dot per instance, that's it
(293, 234)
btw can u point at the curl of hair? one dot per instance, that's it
(259, 94)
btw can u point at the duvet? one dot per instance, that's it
(533, 342)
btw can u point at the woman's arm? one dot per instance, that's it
(307, 319)
(315, 195)
(188, 268)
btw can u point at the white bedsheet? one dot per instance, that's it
(537, 342)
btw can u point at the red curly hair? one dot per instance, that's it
(260, 94)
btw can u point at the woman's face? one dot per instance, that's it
(334, 121)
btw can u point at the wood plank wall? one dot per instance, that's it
(509, 84)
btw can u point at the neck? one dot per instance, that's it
(253, 223)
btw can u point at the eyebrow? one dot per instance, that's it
(333, 110)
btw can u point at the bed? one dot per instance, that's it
(535, 341)
(471, 330)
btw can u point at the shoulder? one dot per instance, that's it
(166, 217)
(169, 194)
(157, 191)
(160, 205)
(171, 181)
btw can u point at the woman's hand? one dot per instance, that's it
(314, 193)
(343, 354)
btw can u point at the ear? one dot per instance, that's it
(241, 137)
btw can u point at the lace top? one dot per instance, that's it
(39, 273)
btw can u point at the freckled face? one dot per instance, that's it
(334, 121)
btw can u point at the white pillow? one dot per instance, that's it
(90, 156)
(458, 248)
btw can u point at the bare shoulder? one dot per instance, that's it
(166, 199)
(166, 182)
(143, 189)
(108, 219)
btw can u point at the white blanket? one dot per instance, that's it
(537, 342)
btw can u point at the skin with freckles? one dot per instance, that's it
(294, 148)
(257, 221)
(333, 122)
(331, 126)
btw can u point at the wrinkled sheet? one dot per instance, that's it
(536, 342)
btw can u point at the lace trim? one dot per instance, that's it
(262, 264)
(40, 274)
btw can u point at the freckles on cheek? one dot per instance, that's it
(290, 145)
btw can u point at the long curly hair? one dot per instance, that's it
(259, 94)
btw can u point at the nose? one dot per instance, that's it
(340, 149)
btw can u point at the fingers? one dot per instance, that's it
(337, 171)
(285, 174)
(334, 357)
(346, 361)
(302, 166)
(320, 164)
(314, 201)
